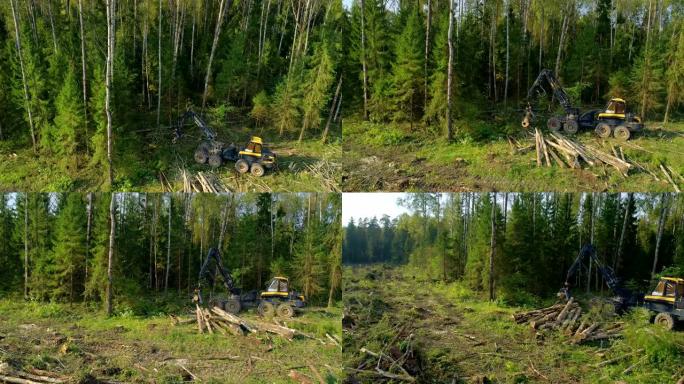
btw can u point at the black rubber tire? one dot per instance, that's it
(666, 320)
(232, 306)
(266, 309)
(215, 161)
(621, 133)
(570, 127)
(257, 170)
(554, 124)
(603, 130)
(285, 311)
(242, 166)
(201, 155)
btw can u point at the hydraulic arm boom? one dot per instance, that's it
(612, 281)
(206, 130)
(546, 77)
(209, 274)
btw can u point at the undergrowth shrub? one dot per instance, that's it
(384, 136)
(658, 344)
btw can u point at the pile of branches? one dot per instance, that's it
(567, 318)
(217, 320)
(36, 376)
(397, 361)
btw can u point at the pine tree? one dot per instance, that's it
(317, 85)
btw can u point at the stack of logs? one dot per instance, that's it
(565, 318)
(568, 153)
(8, 374)
(217, 320)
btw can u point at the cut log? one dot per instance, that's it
(200, 322)
(564, 312)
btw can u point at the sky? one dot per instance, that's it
(358, 205)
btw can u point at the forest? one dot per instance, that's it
(490, 52)
(99, 287)
(90, 85)
(57, 245)
(535, 239)
(443, 85)
(464, 288)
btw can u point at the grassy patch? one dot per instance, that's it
(463, 338)
(306, 166)
(78, 342)
(395, 158)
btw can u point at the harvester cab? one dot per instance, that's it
(666, 302)
(279, 299)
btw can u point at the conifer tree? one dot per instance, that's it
(70, 247)
(68, 123)
(407, 71)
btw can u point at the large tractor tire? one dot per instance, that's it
(571, 127)
(232, 306)
(242, 166)
(603, 130)
(257, 170)
(201, 155)
(622, 133)
(554, 124)
(215, 161)
(266, 309)
(285, 310)
(666, 320)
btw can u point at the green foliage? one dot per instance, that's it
(68, 122)
(285, 106)
(260, 111)
(407, 70)
(384, 136)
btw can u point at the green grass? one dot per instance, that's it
(394, 158)
(463, 338)
(80, 341)
(307, 166)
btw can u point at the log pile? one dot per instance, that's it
(568, 153)
(11, 375)
(216, 320)
(567, 319)
(202, 182)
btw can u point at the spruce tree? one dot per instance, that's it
(68, 122)
(69, 248)
(407, 70)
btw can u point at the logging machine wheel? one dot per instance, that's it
(666, 320)
(242, 166)
(257, 170)
(621, 133)
(554, 124)
(285, 310)
(603, 130)
(266, 309)
(232, 306)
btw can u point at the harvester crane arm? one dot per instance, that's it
(199, 122)
(209, 274)
(546, 77)
(612, 281)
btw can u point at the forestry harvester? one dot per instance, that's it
(614, 120)
(256, 157)
(277, 299)
(665, 303)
